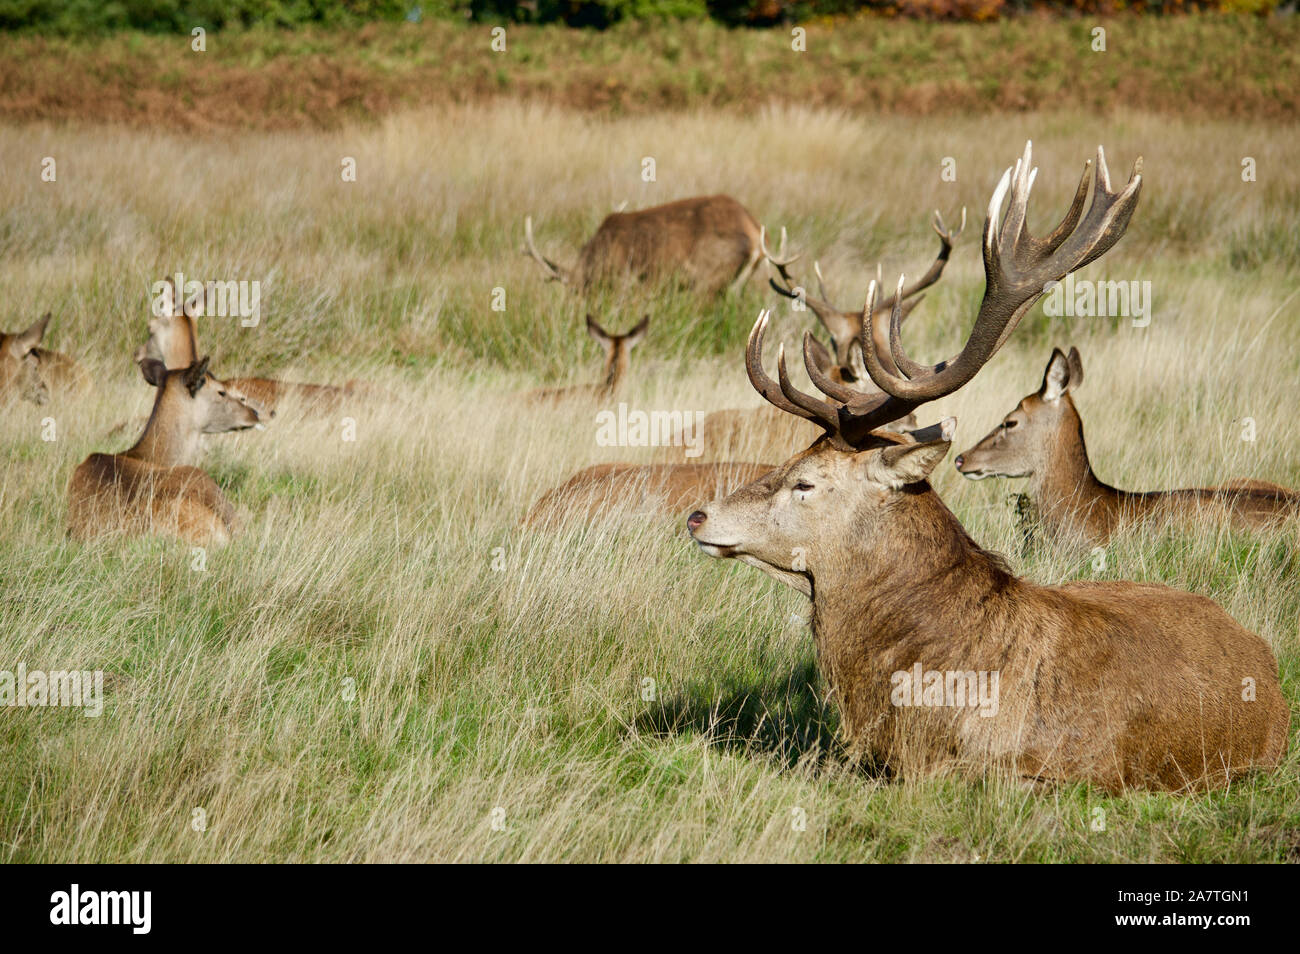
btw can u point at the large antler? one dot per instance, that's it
(553, 272)
(843, 326)
(1017, 267)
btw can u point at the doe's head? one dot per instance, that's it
(1021, 445)
(20, 366)
(213, 406)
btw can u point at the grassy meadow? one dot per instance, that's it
(384, 666)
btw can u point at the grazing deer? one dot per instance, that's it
(667, 489)
(28, 372)
(1116, 684)
(173, 339)
(844, 327)
(711, 241)
(153, 488)
(1042, 439)
(617, 349)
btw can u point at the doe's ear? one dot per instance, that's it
(600, 334)
(1076, 368)
(29, 338)
(196, 375)
(902, 464)
(194, 306)
(637, 334)
(153, 371)
(1056, 379)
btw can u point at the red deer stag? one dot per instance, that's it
(1112, 683)
(153, 488)
(711, 241)
(1042, 439)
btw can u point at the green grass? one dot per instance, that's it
(352, 679)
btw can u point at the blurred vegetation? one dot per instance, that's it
(74, 17)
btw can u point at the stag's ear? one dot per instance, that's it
(153, 371)
(600, 334)
(196, 375)
(637, 334)
(26, 340)
(901, 464)
(1056, 379)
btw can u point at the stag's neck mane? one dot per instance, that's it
(924, 570)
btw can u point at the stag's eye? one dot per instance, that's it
(803, 486)
(1007, 425)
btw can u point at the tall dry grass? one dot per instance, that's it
(384, 657)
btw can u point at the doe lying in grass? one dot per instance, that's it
(1042, 439)
(29, 372)
(153, 488)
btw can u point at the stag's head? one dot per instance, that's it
(1020, 446)
(855, 487)
(20, 367)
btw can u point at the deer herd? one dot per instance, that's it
(1116, 684)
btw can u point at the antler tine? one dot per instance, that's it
(947, 238)
(946, 235)
(552, 271)
(764, 385)
(908, 367)
(822, 412)
(778, 263)
(827, 385)
(1059, 234)
(821, 283)
(1017, 268)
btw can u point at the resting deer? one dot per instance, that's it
(667, 489)
(1042, 439)
(29, 372)
(664, 489)
(617, 349)
(153, 488)
(1112, 683)
(173, 339)
(710, 241)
